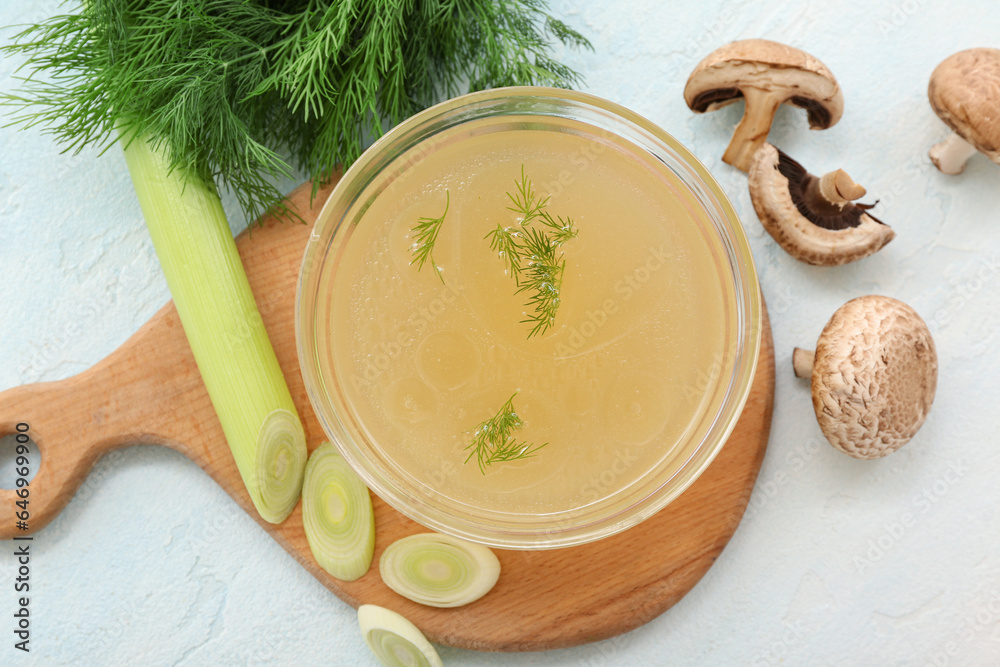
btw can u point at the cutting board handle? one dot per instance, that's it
(122, 400)
(54, 413)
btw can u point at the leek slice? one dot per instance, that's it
(439, 570)
(280, 463)
(394, 640)
(337, 515)
(203, 270)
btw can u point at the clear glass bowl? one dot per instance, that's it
(537, 109)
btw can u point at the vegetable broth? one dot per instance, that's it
(616, 387)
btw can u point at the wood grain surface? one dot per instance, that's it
(149, 392)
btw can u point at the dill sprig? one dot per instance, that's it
(532, 256)
(504, 242)
(542, 279)
(492, 440)
(242, 91)
(526, 202)
(562, 230)
(426, 231)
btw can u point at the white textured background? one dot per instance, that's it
(152, 564)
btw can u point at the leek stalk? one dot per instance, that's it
(209, 287)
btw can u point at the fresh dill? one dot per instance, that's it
(243, 91)
(562, 230)
(542, 280)
(426, 232)
(493, 442)
(504, 242)
(525, 201)
(532, 256)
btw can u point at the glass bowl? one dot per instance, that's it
(396, 392)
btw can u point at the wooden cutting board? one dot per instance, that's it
(149, 392)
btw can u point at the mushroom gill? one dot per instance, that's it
(813, 218)
(807, 195)
(765, 75)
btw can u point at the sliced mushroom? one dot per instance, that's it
(766, 74)
(813, 219)
(965, 93)
(874, 374)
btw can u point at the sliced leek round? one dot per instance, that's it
(280, 460)
(439, 570)
(394, 640)
(337, 515)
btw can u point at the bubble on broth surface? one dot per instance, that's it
(637, 408)
(409, 401)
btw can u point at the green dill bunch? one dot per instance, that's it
(238, 92)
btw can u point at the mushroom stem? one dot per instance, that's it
(839, 188)
(951, 154)
(802, 362)
(831, 192)
(751, 133)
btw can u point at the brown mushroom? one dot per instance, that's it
(813, 218)
(873, 374)
(965, 93)
(766, 75)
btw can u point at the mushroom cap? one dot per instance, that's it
(803, 80)
(874, 376)
(964, 92)
(825, 238)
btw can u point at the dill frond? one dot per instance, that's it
(242, 91)
(526, 202)
(426, 232)
(504, 242)
(542, 279)
(532, 255)
(562, 230)
(493, 442)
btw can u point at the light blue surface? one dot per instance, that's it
(838, 561)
